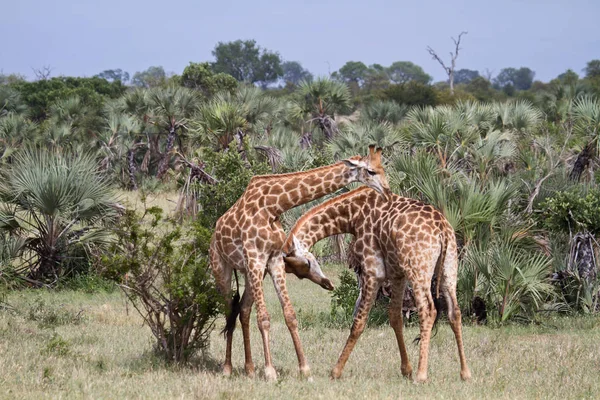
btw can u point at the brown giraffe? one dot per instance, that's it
(395, 240)
(249, 239)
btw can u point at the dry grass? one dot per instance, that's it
(86, 346)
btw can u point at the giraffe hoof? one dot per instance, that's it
(465, 375)
(250, 371)
(270, 374)
(305, 371)
(421, 378)
(227, 370)
(407, 372)
(336, 373)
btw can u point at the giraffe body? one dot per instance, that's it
(249, 238)
(398, 240)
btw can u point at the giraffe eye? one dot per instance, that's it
(371, 172)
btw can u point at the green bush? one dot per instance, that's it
(343, 300)
(572, 211)
(163, 269)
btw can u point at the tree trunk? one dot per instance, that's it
(164, 162)
(582, 257)
(132, 168)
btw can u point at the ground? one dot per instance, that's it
(77, 345)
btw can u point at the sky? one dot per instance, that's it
(85, 37)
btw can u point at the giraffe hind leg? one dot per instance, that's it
(395, 313)
(222, 274)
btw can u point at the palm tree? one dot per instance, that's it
(54, 204)
(170, 109)
(319, 101)
(384, 111)
(354, 137)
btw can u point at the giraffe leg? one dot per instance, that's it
(255, 276)
(427, 314)
(277, 271)
(245, 311)
(368, 294)
(395, 313)
(454, 316)
(222, 274)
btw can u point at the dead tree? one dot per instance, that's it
(453, 57)
(42, 74)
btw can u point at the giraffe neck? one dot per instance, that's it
(333, 217)
(285, 191)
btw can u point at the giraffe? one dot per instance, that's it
(398, 239)
(249, 238)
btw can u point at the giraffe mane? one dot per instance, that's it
(317, 209)
(293, 174)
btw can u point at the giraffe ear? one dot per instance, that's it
(354, 163)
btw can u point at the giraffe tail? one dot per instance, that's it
(234, 311)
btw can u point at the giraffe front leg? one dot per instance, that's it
(395, 313)
(255, 275)
(368, 294)
(245, 311)
(427, 314)
(277, 271)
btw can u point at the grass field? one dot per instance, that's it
(76, 345)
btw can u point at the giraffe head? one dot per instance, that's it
(370, 171)
(302, 263)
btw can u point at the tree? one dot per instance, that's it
(353, 72)
(40, 95)
(569, 77)
(112, 75)
(453, 57)
(411, 94)
(294, 73)
(405, 71)
(201, 77)
(519, 79)
(247, 62)
(152, 77)
(56, 204)
(465, 75)
(592, 69)
(481, 89)
(320, 100)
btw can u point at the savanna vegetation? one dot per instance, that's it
(509, 160)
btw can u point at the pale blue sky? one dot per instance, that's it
(85, 37)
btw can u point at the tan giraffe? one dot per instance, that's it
(249, 239)
(395, 240)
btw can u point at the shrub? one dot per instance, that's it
(167, 279)
(54, 208)
(343, 298)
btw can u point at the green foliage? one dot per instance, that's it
(402, 72)
(294, 73)
(412, 93)
(571, 212)
(353, 72)
(55, 206)
(152, 77)
(465, 76)
(112, 75)
(163, 269)
(519, 79)
(513, 280)
(39, 95)
(201, 77)
(233, 175)
(247, 62)
(343, 300)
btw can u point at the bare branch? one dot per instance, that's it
(438, 59)
(43, 73)
(453, 56)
